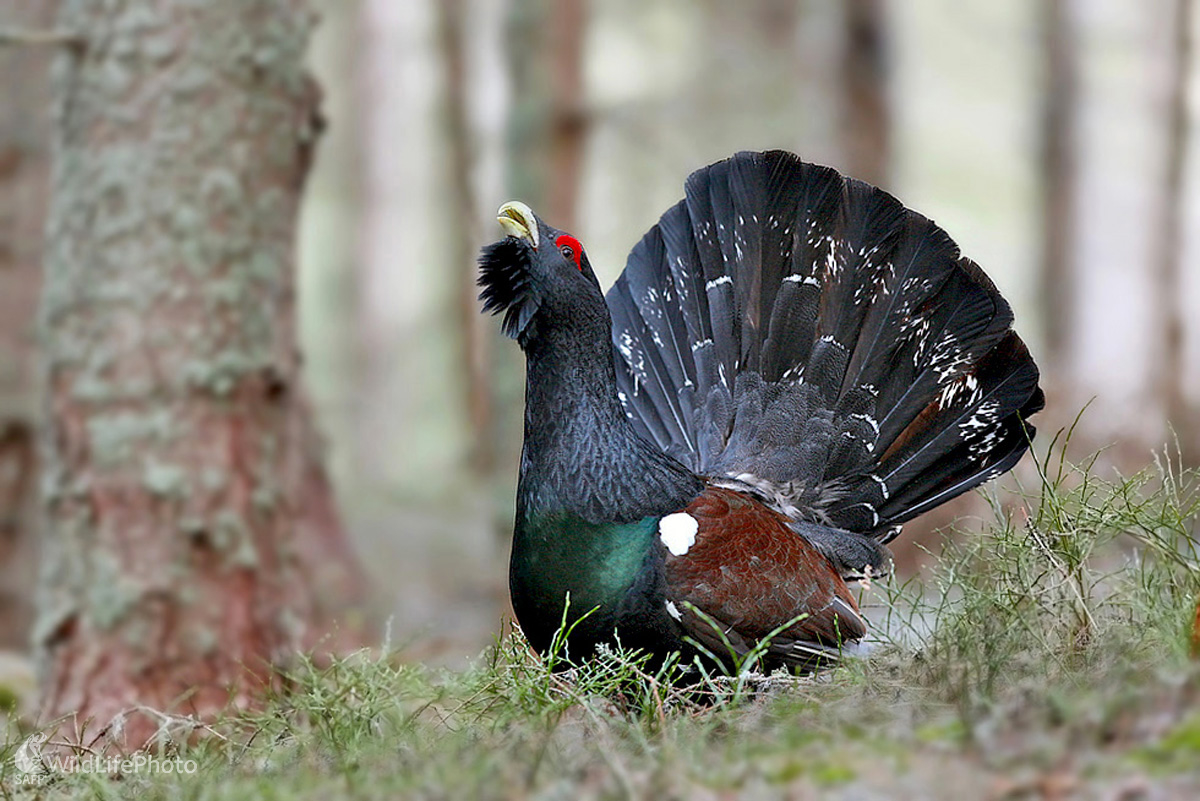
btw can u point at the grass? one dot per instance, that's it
(1047, 653)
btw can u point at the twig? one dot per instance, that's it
(20, 36)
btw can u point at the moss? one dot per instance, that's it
(118, 437)
(111, 594)
(246, 554)
(265, 498)
(949, 731)
(1178, 751)
(214, 479)
(234, 537)
(160, 48)
(832, 773)
(165, 480)
(201, 640)
(10, 699)
(220, 374)
(228, 529)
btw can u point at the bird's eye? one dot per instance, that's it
(570, 248)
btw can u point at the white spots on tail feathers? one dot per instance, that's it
(635, 359)
(832, 264)
(947, 357)
(796, 278)
(981, 430)
(650, 304)
(621, 396)
(698, 345)
(874, 288)
(915, 289)
(625, 345)
(869, 420)
(673, 610)
(919, 326)
(966, 384)
(883, 487)
(716, 282)
(678, 532)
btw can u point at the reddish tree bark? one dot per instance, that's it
(24, 180)
(191, 542)
(453, 20)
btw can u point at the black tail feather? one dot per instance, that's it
(806, 335)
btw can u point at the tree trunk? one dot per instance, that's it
(568, 111)
(866, 117)
(183, 503)
(1169, 241)
(24, 179)
(1060, 103)
(453, 23)
(550, 118)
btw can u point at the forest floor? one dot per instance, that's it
(1050, 657)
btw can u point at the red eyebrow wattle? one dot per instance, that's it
(576, 248)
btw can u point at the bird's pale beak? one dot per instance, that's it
(517, 220)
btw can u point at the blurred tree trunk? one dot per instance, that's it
(866, 120)
(186, 513)
(550, 118)
(1169, 240)
(24, 180)
(453, 25)
(1060, 104)
(568, 112)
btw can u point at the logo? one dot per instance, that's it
(35, 768)
(28, 758)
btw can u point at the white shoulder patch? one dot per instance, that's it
(678, 532)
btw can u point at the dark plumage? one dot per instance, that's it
(798, 365)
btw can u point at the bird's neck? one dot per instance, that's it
(581, 455)
(590, 495)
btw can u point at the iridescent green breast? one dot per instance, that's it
(597, 564)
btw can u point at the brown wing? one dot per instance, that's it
(750, 573)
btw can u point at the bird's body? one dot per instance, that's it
(791, 366)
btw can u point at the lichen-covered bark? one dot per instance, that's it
(24, 176)
(182, 505)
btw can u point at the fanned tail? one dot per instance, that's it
(805, 336)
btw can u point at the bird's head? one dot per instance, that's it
(536, 273)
